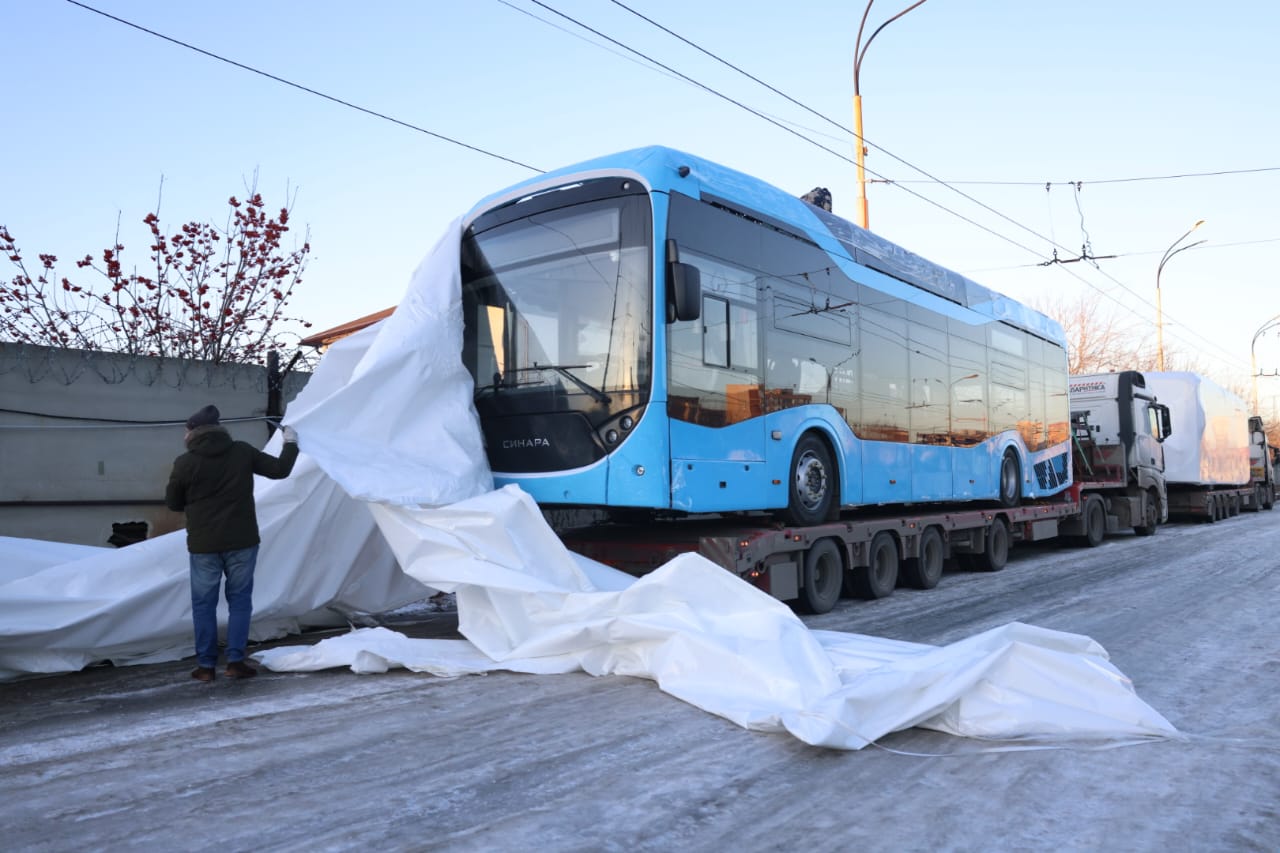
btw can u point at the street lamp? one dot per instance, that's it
(1253, 360)
(859, 51)
(1169, 253)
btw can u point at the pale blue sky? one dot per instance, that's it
(988, 90)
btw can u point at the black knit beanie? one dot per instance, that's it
(206, 416)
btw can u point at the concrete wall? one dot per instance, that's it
(87, 439)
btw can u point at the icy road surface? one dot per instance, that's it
(143, 757)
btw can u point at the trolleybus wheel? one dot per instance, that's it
(1010, 479)
(811, 495)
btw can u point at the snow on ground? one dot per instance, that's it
(109, 758)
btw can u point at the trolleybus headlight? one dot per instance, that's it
(627, 423)
(611, 436)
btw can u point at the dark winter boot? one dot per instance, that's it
(239, 669)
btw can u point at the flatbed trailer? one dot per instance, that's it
(861, 556)
(1214, 503)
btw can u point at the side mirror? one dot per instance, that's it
(684, 287)
(1166, 423)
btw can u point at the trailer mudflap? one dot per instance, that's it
(1035, 531)
(784, 580)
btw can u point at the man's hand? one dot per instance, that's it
(290, 435)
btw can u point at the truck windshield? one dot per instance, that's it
(557, 306)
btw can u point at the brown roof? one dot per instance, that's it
(337, 333)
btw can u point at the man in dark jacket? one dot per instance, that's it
(213, 483)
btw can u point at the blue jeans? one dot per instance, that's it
(206, 578)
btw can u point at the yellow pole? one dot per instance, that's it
(1159, 329)
(1253, 370)
(863, 216)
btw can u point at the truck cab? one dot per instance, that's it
(1262, 472)
(1118, 429)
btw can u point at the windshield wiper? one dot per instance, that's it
(563, 369)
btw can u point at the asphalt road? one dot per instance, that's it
(143, 757)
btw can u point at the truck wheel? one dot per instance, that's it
(811, 495)
(925, 571)
(823, 574)
(1150, 513)
(877, 579)
(1010, 479)
(1255, 500)
(1268, 497)
(1095, 522)
(996, 553)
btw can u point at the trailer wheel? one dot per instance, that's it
(811, 495)
(823, 575)
(1010, 479)
(1095, 522)
(1254, 503)
(996, 553)
(1233, 505)
(925, 571)
(1211, 508)
(880, 576)
(1150, 512)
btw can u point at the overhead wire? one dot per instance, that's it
(780, 125)
(758, 114)
(890, 154)
(1095, 181)
(306, 89)
(644, 63)
(657, 65)
(585, 40)
(1205, 247)
(844, 129)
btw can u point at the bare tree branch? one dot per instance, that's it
(217, 294)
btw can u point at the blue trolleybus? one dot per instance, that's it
(652, 331)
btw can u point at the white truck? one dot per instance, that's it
(1119, 461)
(1207, 470)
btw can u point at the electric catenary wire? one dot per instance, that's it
(780, 125)
(307, 89)
(933, 179)
(682, 76)
(1096, 181)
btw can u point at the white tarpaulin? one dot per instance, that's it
(63, 607)
(387, 417)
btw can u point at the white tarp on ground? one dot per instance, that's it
(387, 417)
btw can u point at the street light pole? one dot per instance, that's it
(1169, 253)
(1253, 359)
(859, 51)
